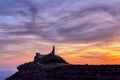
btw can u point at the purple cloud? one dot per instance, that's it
(59, 20)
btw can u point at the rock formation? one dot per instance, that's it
(50, 58)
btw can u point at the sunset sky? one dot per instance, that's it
(84, 31)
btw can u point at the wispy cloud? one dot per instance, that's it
(40, 22)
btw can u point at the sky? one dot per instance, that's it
(83, 31)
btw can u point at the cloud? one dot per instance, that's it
(95, 23)
(39, 22)
(55, 21)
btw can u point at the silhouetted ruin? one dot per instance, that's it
(50, 58)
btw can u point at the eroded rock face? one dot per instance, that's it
(37, 66)
(70, 72)
(30, 66)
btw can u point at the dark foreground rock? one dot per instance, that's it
(70, 72)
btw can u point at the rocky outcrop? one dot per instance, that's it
(70, 72)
